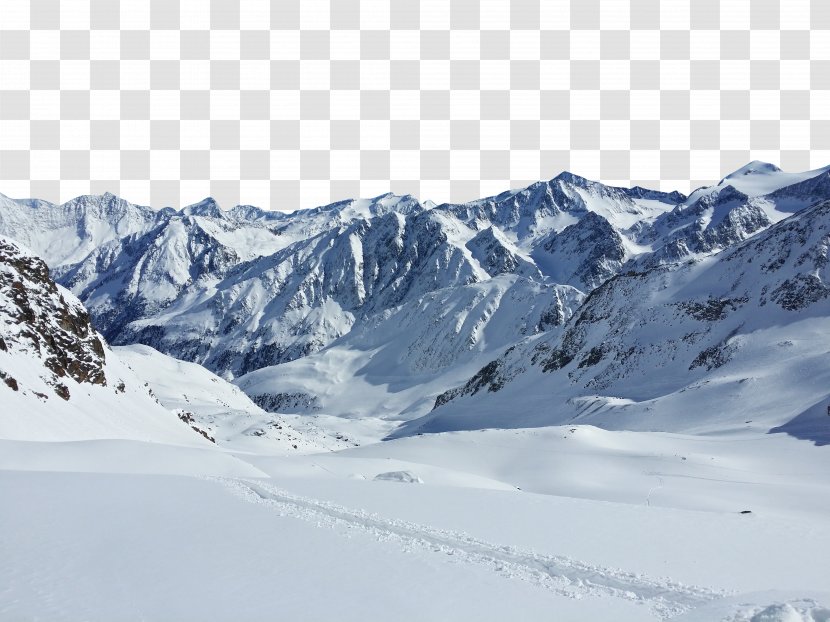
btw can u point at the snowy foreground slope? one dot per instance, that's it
(603, 403)
(314, 540)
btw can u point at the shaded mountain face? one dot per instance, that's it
(41, 321)
(497, 255)
(584, 254)
(711, 223)
(243, 289)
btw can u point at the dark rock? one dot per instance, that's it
(287, 402)
(593, 357)
(188, 418)
(713, 310)
(799, 292)
(61, 390)
(489, 376)
(9, 381)
(60, 332)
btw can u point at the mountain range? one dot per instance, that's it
(568, 300)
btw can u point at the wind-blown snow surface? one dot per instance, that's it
(466, 543)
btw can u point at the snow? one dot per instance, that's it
(92, 412)
(588, 523)
(557, 222)
(768, 606)
(222, 410)
(674, 467)
(198, 282)
(404, 477)
(140, 547)
(657, 469)
(117, 456)
(86, 533)
(680, 360)
(758, 178)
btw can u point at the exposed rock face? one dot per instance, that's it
(711, 223)
(295, 402)
(37, 317)
(491, 377)
(498, 256)
(296, 301)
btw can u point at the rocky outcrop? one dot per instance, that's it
(289, 402)
(498, 256)
(39, 318)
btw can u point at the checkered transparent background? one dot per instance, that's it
(290, 103)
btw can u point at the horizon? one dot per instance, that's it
(424, 202)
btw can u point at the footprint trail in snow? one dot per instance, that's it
(559, 574)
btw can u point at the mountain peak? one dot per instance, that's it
(756, 167)
(756, 179)
(572, 178)
(206, 207)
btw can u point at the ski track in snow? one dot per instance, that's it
(559, 574)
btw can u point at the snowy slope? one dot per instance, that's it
(128, 262)
(531, 213)
(87, 544)
(67, 234)
(241, 289)
(760, 178)
(220, 409)
(393, 364)
(298, 300)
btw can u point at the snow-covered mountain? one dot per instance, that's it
(382, 305)
(60, 381)
(735, 339)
